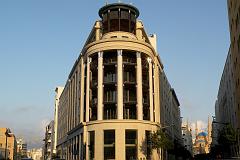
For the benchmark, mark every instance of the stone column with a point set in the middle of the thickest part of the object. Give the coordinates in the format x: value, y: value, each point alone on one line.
x: 88, y: 88
x: 150, y: 89
x: 119, y: 85
x: 156, y: 94
x: 82, y: 91
x: 139, y: 87
x: 100, y: 87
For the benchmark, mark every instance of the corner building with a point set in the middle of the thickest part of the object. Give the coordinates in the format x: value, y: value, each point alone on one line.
x: 111, y: 101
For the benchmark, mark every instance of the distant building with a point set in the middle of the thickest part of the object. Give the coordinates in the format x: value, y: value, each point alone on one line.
x: 48, y: 141
x: 203, y: 140
x: 21, y: 148
x: 35, y: 154
x: 11, y: 144
x: 58, y: 92
x: 187, y: 138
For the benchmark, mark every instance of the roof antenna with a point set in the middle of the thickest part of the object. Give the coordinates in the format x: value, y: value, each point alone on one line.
x: 106, y: 2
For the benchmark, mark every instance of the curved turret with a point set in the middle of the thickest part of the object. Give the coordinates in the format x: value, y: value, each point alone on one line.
x: 118, y: 17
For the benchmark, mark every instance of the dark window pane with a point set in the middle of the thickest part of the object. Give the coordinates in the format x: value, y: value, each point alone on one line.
x: 91, y: 144
x: 109, y: 137
x: 124, y: 14
x: 131, y: 144
x: 109, y: 144
x: 131, y: 137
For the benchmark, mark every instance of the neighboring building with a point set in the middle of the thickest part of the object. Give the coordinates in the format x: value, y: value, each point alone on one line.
x: 170, y: 111
x: 203, y: 140
x: 234, y: 58
x: 227, y: 109
x: 48, y: 141
x: 58, y: 92
x: 11, y: 144
x: 187, y: 138
x: 35, y: 154
x: 111, y: 100
x: 21, y: 149
x: 227, y: 106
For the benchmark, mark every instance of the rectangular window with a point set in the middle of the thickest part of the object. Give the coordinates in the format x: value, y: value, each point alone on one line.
x: 131, y: 144
x: 147, y: 137
x: 91, y: 145
x: 109, y: 144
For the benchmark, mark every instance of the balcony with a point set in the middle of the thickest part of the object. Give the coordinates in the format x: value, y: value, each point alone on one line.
x: 110, y: 112
x: 110, y: 61
x: 109, y: 101
x: 110, y: 78
x: 129, y: 61
x: 129, y: 112
x: 128, y: 101
x: 109, y: 82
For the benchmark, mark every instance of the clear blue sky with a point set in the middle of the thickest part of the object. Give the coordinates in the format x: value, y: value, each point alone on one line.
x: 40, y: 41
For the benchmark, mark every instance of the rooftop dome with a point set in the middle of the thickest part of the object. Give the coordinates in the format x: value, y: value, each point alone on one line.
x: 204, y: 134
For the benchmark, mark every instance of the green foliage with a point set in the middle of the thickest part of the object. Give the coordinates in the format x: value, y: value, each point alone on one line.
x: 160, y: 140
x: 227, y: 135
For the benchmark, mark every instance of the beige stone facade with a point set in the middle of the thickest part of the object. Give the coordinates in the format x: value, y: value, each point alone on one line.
x: 11, y: 144
x: 227, y: 107
x: 111, y: 101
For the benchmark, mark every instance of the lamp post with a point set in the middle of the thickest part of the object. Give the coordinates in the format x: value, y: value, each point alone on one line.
x: 7, y: 135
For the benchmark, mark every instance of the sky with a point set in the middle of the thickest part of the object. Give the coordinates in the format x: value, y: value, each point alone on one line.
x: 40, y: 41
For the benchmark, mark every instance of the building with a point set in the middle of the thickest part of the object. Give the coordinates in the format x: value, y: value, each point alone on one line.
x: 35, y: 154
x: 48, y: 141
x: 203, y: 139
x: 112, y: 98
x: 170, y: 111
x: 58, y: 92
x: 7, y: 136
x: 187, y: 138
x: 234, y: 25
x: 227, y: 106
x: 21, y: 149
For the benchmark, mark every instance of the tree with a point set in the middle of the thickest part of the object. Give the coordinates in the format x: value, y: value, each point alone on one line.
x: 159, y: 139
x: 226, y: 138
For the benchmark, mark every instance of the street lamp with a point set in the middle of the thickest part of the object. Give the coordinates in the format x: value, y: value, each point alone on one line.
x: 7, y: 133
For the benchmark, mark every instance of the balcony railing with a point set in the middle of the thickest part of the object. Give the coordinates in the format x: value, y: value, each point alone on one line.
x: 110, y: 61
x: 129, y: 114
x: 110, y: 114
